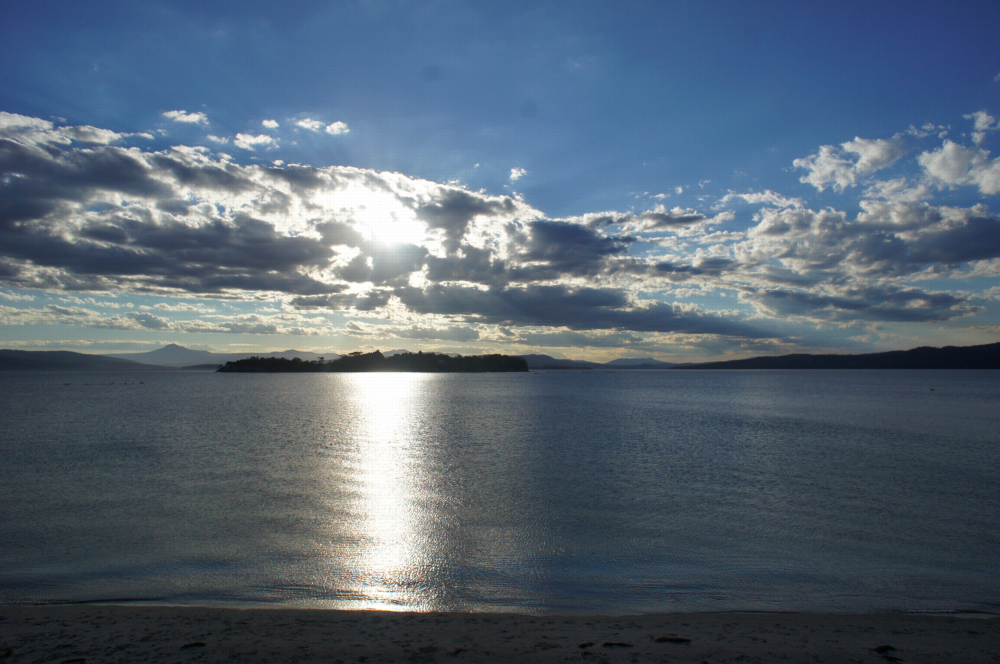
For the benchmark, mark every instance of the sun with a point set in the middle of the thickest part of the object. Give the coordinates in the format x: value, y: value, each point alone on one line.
x: 381, y: 217
x: 392, y: 226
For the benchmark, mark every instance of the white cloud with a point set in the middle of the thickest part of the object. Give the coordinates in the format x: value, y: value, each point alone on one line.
x: 983, y: 122
x: 270, y: 124
x: 766, y: 197
x: 833, y: 167
x: 310, y: 124
x: 874, y: 155
x: 218, y: 139
x: 22, y: 122
x: 517, y: 174
x: 92, y: 135
x: 29, y: 131
x: 14, y: 297
x: 953, y: 164
x: 184, y: 116
x: 898, y: 191
x: 337, y: 128
x: 250, y: 142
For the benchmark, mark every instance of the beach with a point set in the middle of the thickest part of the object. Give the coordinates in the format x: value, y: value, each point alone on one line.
x: 115, y: 633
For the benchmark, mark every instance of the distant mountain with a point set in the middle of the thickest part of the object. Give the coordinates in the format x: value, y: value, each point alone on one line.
x: 170, y: 355
x: 64, y: 360
x: 173, y: 355
x: 950, y: 357
x: 638, y: 362
x: 549, y: 362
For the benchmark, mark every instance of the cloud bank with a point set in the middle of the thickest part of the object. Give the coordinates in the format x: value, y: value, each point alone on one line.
x: 396, y: 256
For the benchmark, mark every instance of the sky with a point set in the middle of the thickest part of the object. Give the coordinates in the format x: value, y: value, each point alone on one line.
x: 686, y: 181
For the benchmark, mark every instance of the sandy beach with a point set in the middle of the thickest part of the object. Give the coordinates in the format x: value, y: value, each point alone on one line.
x: 80, y: 634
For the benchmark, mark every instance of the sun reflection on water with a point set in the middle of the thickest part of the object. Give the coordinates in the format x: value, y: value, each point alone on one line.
x: 394, y: 525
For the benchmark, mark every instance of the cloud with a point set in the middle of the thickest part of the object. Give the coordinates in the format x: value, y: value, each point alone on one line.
x: 851, y: 305
x: 454, y: 333
x: 16, y: 297
x: 517, y: 173
x: 766, y: 197
x: 91, y: 135
x: 185, y: 117
x: 310, y: 124
x: 222, y: 140
x: 250, y: 142
x: 953, y: 164
x: 833, y: 167
x: 337, y: 128
x: 35, y: 131
x: 571, y: 339
x: 270, y: 124
x: 435, y: 261
x: 577, y: 308
x: 675, y: 219
x: 982, y: 122
x: 564, y: 248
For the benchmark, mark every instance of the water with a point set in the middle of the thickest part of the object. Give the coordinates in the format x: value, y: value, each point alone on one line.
x: 554, y: 492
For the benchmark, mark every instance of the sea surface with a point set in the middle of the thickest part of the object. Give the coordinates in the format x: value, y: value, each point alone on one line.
x: 542, y: 492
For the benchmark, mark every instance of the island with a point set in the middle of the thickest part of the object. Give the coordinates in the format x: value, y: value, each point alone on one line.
x: 364, y: 362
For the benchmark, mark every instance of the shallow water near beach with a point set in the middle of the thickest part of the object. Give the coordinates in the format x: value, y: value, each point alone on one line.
x: 542, y: 492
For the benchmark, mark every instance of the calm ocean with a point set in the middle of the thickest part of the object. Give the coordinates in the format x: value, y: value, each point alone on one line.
x: 550, y: 492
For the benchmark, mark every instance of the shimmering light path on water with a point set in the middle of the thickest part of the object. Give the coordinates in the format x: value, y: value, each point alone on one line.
x: 543, y: 492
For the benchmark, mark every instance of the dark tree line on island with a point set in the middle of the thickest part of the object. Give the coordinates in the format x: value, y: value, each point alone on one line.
x: 359, y: 362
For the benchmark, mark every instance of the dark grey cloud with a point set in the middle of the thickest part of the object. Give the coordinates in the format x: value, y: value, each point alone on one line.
x: 977, y: 239
x: 339, y: 301
x: 220, y: 176
x: 339, y: 233
x: 454, y: 209
x: 76, y: 174
x: 885, y: 304
x: 670, y: 219
x: 564, y: 306
x: 568, y: 248
x: 473, y: 264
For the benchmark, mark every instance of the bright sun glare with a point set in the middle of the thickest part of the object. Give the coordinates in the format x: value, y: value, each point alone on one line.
x: 387, y: 221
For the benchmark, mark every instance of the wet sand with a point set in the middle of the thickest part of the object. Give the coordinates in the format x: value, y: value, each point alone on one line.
x: 82, y: 634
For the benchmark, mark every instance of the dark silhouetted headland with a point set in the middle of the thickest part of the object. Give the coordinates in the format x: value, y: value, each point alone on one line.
x: 364, y: 362
x: 986, y: 356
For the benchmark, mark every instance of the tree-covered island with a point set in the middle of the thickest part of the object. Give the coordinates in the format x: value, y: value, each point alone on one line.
x: 359, y: 362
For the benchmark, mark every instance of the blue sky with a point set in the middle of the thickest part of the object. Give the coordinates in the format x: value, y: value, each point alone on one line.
x: 592, y: 180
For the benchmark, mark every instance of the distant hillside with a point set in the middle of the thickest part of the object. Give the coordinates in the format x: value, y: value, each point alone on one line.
x: 173, y: 355
x: 64, y: 360
x: 950, y: 357
x: 630, y: 364
x: 633, y: 362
